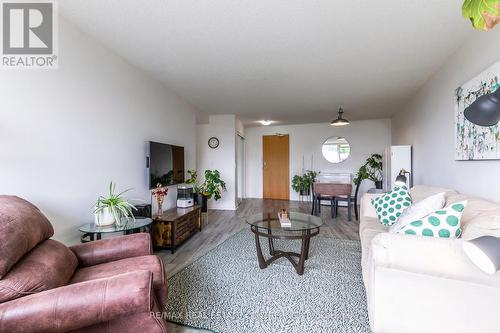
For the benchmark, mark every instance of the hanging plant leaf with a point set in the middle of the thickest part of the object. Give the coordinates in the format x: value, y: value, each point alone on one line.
x: 484, y: 14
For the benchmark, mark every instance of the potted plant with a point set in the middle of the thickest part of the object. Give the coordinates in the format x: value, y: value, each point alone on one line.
x: 311, y: 178
x: 199, y: 198
x: 302, y: 184
x: 372, y: 170
x: 212, y: 187
x: 113, y: 208
x: 298, y: 184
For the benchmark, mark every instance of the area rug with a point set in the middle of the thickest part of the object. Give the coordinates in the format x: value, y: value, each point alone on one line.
x: 225, y: 291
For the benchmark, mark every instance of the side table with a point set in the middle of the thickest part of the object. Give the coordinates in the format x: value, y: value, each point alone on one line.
x: 92, y: 232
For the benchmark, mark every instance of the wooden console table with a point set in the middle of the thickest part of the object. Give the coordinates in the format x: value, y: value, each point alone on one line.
x: 175, y: 226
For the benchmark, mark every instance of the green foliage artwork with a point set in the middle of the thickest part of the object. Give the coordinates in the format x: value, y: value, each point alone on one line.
x: 484, y: 14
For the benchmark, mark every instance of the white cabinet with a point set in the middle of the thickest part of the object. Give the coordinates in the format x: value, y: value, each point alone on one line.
x: 395, y: 159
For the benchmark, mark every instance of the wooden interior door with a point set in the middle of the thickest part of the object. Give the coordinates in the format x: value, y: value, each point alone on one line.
x: 276, y: 167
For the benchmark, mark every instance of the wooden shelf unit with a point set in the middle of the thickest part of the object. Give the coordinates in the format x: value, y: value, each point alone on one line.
x: 175, y: 226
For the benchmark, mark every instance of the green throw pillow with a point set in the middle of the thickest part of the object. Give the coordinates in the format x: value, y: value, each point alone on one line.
x: 392, y: 204
x: 443, y: 223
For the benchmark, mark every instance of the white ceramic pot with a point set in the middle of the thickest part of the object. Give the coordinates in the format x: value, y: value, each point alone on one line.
x: 104, y: 218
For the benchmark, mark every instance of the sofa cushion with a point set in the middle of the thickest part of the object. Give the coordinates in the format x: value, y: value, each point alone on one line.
x: 150, y: 263
x: 420, y: 192
x: 477, y: 207
x: 49, y: 265
x: 482, y: 225
x: 22, y: 227
x: 443, y: 223
x: 392, y: 204
x: 365, y: 206
x: 419, y: 210
x: 369, y: 228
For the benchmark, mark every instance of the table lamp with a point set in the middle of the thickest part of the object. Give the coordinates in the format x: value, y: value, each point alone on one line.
x: 401, y: 179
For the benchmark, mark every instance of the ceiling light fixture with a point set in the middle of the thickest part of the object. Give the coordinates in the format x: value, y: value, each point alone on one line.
x: 484, y: 111
x: 340, y: 121
x: 265, y: 122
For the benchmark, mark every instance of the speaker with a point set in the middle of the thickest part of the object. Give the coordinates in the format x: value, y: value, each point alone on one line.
x: 143, y: 210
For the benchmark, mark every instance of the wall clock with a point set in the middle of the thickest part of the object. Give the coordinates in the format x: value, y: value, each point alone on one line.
x: 213, y: 142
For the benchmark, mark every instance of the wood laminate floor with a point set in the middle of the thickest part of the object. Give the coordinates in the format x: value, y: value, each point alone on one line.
x: 222, y: 224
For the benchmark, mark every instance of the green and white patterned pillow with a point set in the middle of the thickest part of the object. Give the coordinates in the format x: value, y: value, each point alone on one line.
x: 392, y: 204
x: 443, y: 223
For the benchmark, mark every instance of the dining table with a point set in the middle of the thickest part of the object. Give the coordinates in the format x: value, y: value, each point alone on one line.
x: 328, y: 191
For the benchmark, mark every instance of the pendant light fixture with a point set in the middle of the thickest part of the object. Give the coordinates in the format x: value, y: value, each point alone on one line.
x: 484, y: 111
x: 340, y: 121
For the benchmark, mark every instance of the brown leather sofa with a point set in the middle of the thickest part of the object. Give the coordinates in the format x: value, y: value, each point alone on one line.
x: 112, y: 285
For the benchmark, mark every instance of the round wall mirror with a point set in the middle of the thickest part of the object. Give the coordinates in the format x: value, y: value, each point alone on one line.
x: 336, y: 149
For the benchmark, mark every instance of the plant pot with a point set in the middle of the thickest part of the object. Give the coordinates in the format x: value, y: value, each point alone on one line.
x: 379, y: 185
x: 104, y: 218
x: 202, y: 201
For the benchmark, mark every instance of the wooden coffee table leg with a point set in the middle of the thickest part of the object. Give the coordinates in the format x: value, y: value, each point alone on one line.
x: 271, y: 243
x: 260, y: 257
x: 308, y: 241
x: 300, y: 265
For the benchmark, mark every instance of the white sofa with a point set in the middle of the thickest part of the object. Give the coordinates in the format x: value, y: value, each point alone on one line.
x: 425, y: 284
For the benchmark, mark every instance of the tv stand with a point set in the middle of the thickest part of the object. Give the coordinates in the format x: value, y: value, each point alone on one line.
x: 174, y: 227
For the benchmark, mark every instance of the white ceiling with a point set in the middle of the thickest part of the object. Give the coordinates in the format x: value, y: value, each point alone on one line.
x: 286, y: 60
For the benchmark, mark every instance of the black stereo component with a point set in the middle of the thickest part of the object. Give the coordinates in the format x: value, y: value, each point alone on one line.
x: 143, y: 210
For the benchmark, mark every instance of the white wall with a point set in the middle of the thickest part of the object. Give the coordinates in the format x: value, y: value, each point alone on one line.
x: 64, y: 134
x: 222, y: 158
x: 427, y: 123
x: 365, y: 137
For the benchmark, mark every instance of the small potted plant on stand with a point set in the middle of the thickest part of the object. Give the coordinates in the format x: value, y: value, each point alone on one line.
x: 311, y: 178
x: 372, y: 170
x: 199, y: 198
x: 302, y: 184
x: 159, y: 193
x: 113, y: 209
x: 212, y: 187
x: 298, y: 184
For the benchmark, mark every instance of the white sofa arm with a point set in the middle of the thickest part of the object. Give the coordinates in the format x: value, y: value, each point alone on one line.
x: 427, y: 255
x: 366, y: 207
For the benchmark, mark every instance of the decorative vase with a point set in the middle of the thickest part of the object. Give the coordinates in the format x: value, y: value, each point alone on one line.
x: 104, y: 218
x: 379, y: 185
x: 159, y: 201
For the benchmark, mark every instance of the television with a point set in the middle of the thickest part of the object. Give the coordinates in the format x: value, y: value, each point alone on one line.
x: 165, y: 164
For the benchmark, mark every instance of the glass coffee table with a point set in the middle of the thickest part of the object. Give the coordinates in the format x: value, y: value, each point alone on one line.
x: 303, y: 227
x: 91, y: 231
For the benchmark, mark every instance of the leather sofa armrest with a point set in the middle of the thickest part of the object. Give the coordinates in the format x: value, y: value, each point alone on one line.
x: 112, y: 249
x: 440, y: 257
x: 79, y: 305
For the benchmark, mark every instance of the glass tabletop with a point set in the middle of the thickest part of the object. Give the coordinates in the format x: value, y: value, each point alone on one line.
x: 299, y: 221
x: 131, y: 224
